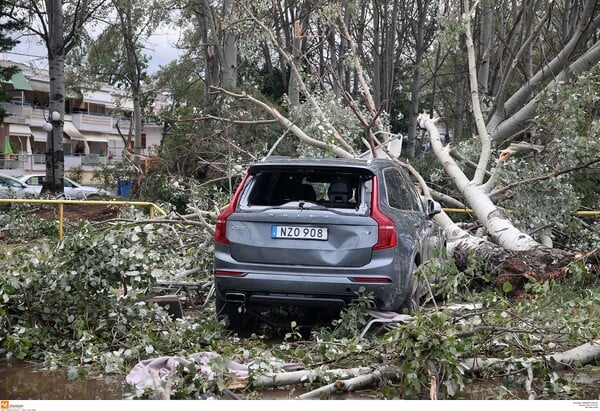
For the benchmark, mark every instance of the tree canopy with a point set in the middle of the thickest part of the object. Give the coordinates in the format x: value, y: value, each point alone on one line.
x: 497, y: 106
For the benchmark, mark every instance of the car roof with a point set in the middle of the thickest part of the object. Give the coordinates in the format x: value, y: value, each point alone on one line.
x: 276, y: 161
x: 24, y: 176
x: 9, y: 176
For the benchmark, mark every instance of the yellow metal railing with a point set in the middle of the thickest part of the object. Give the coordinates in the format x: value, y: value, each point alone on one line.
x: 152, y: 207
x: 61, y: 207
x: 585, y: 213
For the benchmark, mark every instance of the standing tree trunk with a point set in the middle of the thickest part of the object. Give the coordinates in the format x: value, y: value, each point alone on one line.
x: 415, y: 92
x: 294, y: 83
x: 55, y: 156
x: 485, y: 45
x: 133, y: 68
x: 230, y: 51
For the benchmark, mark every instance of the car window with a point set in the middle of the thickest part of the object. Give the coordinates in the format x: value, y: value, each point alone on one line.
x: 399, y: 195
x: 35, y: 181
x: 7, y: 182
x: 417, y: 201
x: 68, y: 183
x: 331, y: 188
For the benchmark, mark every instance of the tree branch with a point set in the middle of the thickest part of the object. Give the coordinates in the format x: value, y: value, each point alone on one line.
x: 289, y: 125
x: 554, y: 174
x: 290, y: 61
x: 486, y: 144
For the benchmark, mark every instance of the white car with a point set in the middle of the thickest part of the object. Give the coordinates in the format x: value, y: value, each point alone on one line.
x: 10, y: 187
x: 73, y: 190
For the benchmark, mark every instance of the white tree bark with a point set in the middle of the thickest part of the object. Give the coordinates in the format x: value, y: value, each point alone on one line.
x: 582, y: 354
x: 296, y: 377
x: 519, y: 104
x: 486, y: 143
x: 351, y: 384
x: 515, y: 123
x: 501, y: 231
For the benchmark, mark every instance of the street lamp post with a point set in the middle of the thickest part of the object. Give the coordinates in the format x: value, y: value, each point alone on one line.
x: 49, y: 126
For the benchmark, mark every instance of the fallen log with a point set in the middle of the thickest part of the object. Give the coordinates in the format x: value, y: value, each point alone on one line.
x: 294, y: 377
x: 581, y: 355
x: 352, y: 384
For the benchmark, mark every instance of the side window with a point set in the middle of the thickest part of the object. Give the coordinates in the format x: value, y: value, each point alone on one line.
x: 417, y: 203
x: 398, y: 195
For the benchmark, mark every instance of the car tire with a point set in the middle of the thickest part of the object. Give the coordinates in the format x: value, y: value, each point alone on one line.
x: 234, y: 314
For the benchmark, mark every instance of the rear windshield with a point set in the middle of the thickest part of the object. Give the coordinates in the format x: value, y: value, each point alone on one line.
x: 330, y: 188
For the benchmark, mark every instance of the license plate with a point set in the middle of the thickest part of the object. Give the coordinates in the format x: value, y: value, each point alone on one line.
x: 299, y: 233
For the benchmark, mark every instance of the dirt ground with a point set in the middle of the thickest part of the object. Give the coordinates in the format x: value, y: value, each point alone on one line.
x: 77, y: 212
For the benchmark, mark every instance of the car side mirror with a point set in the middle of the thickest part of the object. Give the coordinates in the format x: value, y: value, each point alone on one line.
x: 433, y: 207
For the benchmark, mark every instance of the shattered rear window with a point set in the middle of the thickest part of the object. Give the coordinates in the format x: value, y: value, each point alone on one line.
x: 330, y: 188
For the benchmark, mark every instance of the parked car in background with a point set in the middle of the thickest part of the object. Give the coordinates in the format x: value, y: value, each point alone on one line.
x: 73, y: 190
x: 313, y: 232
x: 10, y: 187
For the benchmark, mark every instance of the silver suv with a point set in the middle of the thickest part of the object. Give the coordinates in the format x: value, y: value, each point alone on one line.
x: 312, y: 232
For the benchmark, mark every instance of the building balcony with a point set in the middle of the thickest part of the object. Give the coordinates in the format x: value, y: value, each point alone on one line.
x: 17, y: 112
x: 19, y: 164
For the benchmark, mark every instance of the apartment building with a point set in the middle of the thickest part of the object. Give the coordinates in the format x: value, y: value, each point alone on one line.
x: 90, y: 135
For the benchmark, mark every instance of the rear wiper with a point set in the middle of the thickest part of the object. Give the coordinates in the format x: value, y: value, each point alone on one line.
x: 311, y: 206
x: 301, y: 205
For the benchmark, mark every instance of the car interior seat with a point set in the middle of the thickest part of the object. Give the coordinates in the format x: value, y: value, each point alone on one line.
x: 339, y: 192
x: 307, y: 193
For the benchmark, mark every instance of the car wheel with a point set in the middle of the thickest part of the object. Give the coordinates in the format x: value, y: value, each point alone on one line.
x: 234, y: 313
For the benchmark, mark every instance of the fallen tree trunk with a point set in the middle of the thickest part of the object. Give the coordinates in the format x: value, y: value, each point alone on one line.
x: 517, y: 268
x: 352, y: 384
x: 364, y: 377
x: 580, y: 355
x: 294, y: 377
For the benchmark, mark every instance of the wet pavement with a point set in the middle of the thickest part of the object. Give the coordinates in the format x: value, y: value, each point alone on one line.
x: 20, y: 380
x: 24, y: 381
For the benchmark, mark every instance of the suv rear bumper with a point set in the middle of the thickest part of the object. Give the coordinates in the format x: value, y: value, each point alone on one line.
x: 306, y: 285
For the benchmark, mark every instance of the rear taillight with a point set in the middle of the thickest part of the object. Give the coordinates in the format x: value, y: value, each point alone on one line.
x: 386, y: 229
x: 221, y: 225
x: 370, y: 279
x: 226, y: 273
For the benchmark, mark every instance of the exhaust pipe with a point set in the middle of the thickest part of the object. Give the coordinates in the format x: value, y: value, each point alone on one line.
x: 235, y: 297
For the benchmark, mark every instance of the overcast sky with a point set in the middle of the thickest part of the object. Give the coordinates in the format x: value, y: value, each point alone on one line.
x: 159, y: 48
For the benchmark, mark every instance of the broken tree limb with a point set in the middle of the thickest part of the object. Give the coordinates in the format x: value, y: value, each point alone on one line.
x: 295, y: 377
x: 447, y: 200
x: 554, y: 174
x: 352, y: 384
x: 581, y: 355
x: 500, y: 229
x: 484, y: 137
x: 301, y: 135
x: 298, y: 77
